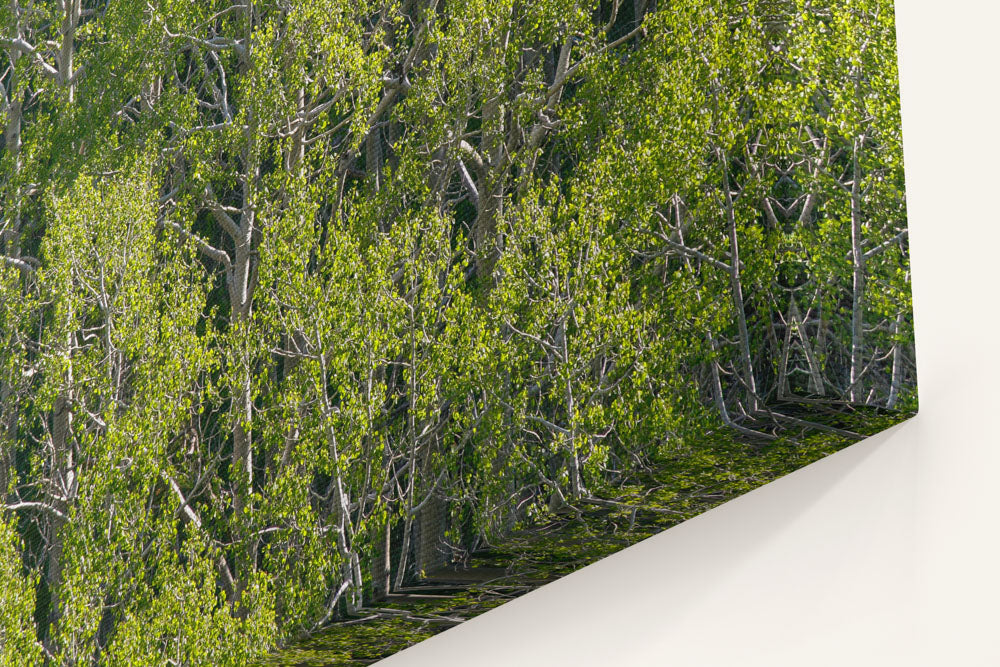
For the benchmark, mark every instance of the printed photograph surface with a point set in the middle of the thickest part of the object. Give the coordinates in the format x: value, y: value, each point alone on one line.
x: 327, y: 325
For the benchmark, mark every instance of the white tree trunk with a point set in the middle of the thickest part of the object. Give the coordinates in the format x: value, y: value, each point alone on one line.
x: 737, y: 291
x: 858, y: 279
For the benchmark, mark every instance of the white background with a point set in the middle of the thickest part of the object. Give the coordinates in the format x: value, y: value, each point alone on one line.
x: 887, y: 553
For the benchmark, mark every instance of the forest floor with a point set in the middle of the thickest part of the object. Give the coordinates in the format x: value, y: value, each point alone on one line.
x: 674, y: 488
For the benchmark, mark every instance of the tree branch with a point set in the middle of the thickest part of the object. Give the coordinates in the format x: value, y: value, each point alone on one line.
x: 885, y: 245
x: 221, y: 215
x: 26, y: 264
x: 691, y: 252
x: 29, y: 50
x: 206, y: 249
x: 27, y: 505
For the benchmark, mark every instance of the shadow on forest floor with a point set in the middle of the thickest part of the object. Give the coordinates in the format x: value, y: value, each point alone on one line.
x: 692, y: 480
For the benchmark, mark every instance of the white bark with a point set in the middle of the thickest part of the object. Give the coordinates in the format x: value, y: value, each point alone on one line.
x: 737, y: 289
x: 858, y: 274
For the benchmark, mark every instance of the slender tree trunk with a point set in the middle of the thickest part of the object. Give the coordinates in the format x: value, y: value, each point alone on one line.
x: 8, y: 437
x: 71, y: 19
x: 491, y: 188
x: 12, y: 142
x: 575, y: 476
x: 382, y: 565
x: 241, y: 464
x: 784, y: 391
x: 484, y: 228
x: 11, y: 246
x: 858, y: 278
x: 897, y: 364
x: 350, y: 566
x: 242, y: 461
x: 737, y: 291
x: 411, y: 482
x: 349, y: 560
x: 717, y: 396
x: 62, y: 489
x: 815, y: 373
x: 373, y: 157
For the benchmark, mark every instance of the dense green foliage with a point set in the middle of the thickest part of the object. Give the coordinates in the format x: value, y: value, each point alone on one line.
x: 300, y: 297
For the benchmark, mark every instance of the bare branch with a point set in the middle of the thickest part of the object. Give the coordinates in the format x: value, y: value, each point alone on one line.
x: 26, y: 264
x: 222, y: 215
x: 886, y: 245
x: 204, y: 246
x: 468, y: 183
x: 42, y: 507
x: 691, y: 252
x: 29, y: 50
